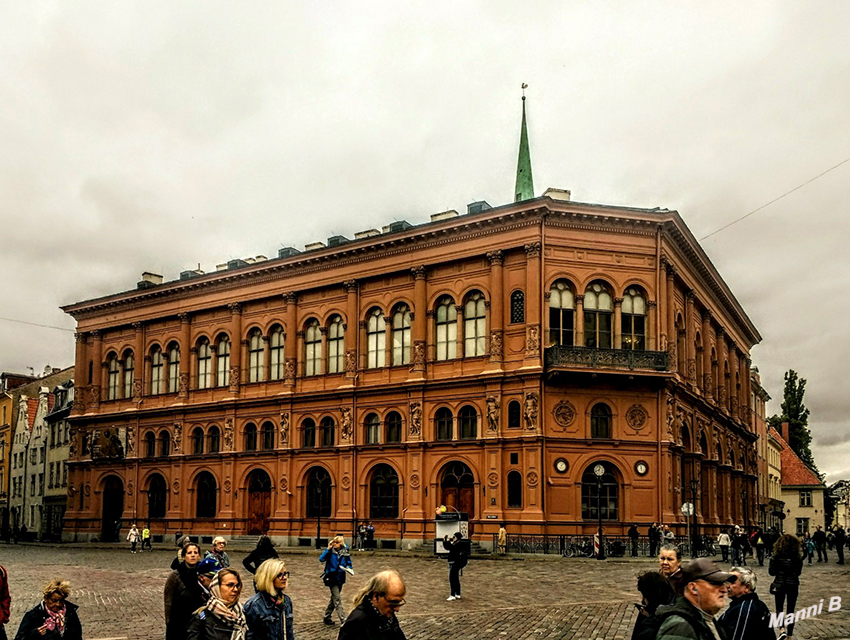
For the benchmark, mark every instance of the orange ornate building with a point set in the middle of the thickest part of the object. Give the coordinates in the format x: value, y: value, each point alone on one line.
x: 485, y: 361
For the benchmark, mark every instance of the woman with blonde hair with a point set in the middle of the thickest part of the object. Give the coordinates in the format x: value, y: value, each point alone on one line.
x: 222, y: 617
x: 52, y: 618
x: 269, y: 611
x: 337, y: 559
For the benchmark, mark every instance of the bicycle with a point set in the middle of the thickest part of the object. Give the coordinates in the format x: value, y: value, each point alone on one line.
x: 580, y: 549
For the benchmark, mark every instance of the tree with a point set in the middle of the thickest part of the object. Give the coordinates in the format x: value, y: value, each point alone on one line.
x: 795, y: 413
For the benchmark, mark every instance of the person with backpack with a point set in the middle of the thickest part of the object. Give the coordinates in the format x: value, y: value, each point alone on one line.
x: 337, y: 559
x: 458, y: 549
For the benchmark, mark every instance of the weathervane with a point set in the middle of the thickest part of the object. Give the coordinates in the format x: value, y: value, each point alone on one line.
x: 524, y: 87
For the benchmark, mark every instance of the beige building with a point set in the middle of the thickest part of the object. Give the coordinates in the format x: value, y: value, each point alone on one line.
x: 802, y: 490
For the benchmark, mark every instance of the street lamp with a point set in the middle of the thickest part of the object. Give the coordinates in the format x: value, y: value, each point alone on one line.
x: 694, y: 536
x: 599, y: 471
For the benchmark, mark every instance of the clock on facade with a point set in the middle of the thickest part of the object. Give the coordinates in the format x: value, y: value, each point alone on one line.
x: 561, y: 465
x: 641, y: 468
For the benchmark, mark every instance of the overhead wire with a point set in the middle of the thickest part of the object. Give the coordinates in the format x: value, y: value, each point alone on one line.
x: 35, y: 324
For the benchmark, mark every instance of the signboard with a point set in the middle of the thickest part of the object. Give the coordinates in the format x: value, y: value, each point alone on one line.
x: 108, y: 442
x: 688, y: 509
x: 447, y: 524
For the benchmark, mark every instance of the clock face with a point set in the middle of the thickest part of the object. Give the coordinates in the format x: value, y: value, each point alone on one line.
x: 598, y: 470
x: 641, y: 468
x: 561, y: 465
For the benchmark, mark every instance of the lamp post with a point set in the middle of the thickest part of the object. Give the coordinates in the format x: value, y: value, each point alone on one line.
x: 599, y: 471
x: 694, y: 536
x: 744, y: 502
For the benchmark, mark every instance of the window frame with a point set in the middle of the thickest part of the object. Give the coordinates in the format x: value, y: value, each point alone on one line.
x: 401, y: 335
x: 475, y: 325
x: 376, y: 339
x: 445, y: 325
x: 336, y: 344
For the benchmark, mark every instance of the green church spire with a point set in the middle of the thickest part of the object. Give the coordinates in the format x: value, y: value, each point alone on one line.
x: 524, y: 183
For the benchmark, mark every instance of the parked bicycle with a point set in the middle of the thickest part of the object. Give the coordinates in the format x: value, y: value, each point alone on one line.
x: 582, y: 548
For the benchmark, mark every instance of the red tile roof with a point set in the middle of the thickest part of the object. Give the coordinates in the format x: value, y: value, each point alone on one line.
x: 795, y: 472
x: 32, y: 406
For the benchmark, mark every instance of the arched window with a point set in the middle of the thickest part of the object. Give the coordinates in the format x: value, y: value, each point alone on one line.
x: 308, y: 433
x: 517, y: 307
x: 206, y: 495
x: 150, y: 444
x: 250, y: 437
x: 444, y: 419
x: 276, y: 352
x: 634, y: 320
x: 561, y: 314
x: 474, y: 325
x: 514, y: 415
x: 268, y: 436
x: 173, y: 368
x: 214, y: 439
x: 599, y: 498
x: 318, y: 493
x: 112, y: 377
x: 393, y: 427
x: 204, y: 364
x: 157, y: 495
x: 328, y: 428
x: 156, y: 370
x: 446, y: 319
x: 312, y: 348
x: 164, y: 444
x: 598, y: 312
x: 468, y: 422
x: 336, y: 345
x: 600, y: 421
x: 383, y: 492
x: 376, y: 339
x: 401, y: 334
x: 256, y: 361
x: 223, y: 352
x: 515, y: 490
x: 372, y: 427
x: 129, y: 371
x: 197, y: 441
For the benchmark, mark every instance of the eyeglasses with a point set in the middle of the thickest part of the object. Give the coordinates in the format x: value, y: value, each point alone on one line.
x: 283, y: 576
x: 395, y: 604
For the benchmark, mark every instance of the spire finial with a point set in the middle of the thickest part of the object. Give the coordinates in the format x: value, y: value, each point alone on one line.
x: 524, y: 183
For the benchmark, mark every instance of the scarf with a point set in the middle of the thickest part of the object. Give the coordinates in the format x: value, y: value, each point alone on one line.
x: 232, y: 614
x: 55, y: 620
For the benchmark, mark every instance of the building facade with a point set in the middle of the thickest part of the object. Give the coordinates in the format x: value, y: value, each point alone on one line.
x: 8, y: 383
x: 486, y: 362
x: 57, y: 435
x: 803, y: 491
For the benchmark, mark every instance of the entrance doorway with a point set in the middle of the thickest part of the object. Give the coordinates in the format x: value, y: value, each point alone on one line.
x: 458, y: 488
x: 259, y: 502
x: 113, y: 509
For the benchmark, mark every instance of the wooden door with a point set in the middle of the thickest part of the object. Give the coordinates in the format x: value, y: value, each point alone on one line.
x: 259, y: 510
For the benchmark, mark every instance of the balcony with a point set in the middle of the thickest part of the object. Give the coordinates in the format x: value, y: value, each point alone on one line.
x: 560, y: 356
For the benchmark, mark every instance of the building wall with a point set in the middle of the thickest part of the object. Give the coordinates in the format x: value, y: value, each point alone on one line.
x: 795, y: 511
x: 678, y: 405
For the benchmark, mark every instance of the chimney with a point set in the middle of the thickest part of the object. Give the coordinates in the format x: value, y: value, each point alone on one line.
x: 785, y: 435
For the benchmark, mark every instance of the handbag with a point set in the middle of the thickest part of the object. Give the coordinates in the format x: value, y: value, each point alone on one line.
x: 773, y: 588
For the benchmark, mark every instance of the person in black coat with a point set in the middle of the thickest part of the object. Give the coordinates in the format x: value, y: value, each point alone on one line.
x: 183, y: 594
x: 786, y: 565
x: 458, y: 549
x: 655, y: 591
x: 262, y: 552
x: 747, y: 618
x: 53, y: 618
x: 222, y: 617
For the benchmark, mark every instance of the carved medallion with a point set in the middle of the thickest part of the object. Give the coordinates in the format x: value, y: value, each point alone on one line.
x: 414, y: 481
x: 532, y: 478
x: 130, y: 488
x: 227, y: 486
x: 284, y: 484
x: 493, y: 479
x: 636, y: 416
x: 175, y: 487
x: 346, y: 482
x: 564, y: 413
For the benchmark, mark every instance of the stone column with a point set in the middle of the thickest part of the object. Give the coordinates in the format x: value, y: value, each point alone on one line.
x: 99, y: 370
x: 722, y: 378
x: 651, y: 337
x: 672, y: 336
x: 388, y: 341
x: 579, y: 336
x: 418, y: 320
x: 80, y: 371
x: 497, y: 305
x: 139, y: 374
x: 735, y: 383
x: 236, y: 346
x: 534, y: 315
x: 690, y: 338
x: 185, y: 355
x: 290, y: 346
x: 618, y: 323
x: 460, y: 331
x: 706, y: 355
x: 353, y: 313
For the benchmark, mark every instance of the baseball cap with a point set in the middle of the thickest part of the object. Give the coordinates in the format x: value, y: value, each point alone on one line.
x: 705, y: 569
x: 208, y: 566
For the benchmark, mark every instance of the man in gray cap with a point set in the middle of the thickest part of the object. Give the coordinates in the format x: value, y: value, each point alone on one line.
x: 701, y: 589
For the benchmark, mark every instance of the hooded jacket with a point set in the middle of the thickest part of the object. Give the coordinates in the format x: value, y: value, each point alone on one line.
x: 683, y: 621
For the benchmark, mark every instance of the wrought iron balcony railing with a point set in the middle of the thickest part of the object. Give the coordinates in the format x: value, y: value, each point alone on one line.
x: 561, y: 356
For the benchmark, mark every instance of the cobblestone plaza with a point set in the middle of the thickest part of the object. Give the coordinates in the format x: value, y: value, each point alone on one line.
x: 120, y: 594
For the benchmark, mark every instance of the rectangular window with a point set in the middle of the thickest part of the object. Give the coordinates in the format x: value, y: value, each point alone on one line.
x: 50, y: 482
x: 64, y: 473
x: 802, y: 526
x: 805, y: 498
x: 32, y: 485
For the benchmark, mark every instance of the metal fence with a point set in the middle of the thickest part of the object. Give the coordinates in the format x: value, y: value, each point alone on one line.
x: 582, y: 545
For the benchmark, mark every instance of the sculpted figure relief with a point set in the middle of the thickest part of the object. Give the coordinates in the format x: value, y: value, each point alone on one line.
x: 228, y: 434
x: 415, y: 418
x: 530, y: 410
x: 177, y: 438
x: 492, y: 413
x: 284, y: 428
x: 346, y: 422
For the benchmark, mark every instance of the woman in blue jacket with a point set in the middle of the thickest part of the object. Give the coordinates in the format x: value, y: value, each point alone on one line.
x: 337, y: 559
x: 269, y: 611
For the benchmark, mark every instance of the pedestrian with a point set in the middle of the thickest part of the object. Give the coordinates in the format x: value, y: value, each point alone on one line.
x: 759, y: 543
x: 747, y: 618
x: 182, y: 541
x: 723, y: 542
x: 785, y: 566
x: 218, y: 552
x: 655, y: 591
x: 361, y: 536
x: 808, y: 547
x: 146, y: 539
x: 16, y: 533
x: 370, y: 535
x: 634, y: 536
x: 502, y: 540
x: 375, y: 606
x: 207, y: 568
x: 269, y: 611
x: 840, y: 541
x: 702, y: 588
x: 819, y: 538
x: 654, y: 535
x: 53, y: 618
x: 133, y: 537
x: 337, y: 559
x: 737, y: 551
x: 668, y: 536
x: 183, y: 593
x: 669, y: 560
x: 262, y: 552
x: 5, y: 602
x: 458, y: 549
x: 222, y: 617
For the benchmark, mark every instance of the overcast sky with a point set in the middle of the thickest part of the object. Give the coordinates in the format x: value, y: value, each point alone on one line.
x: 156, y: 136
